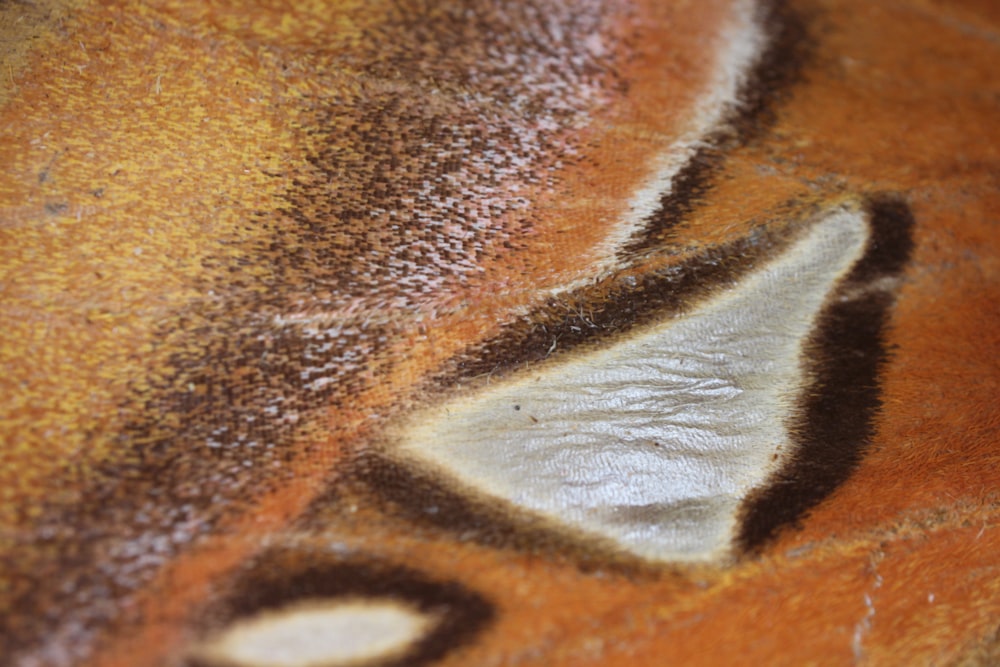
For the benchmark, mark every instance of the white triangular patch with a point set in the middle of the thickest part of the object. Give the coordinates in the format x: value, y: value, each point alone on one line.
x: 653, y: 443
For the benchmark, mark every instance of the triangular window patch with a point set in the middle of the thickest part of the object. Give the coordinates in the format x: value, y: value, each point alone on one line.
x: 654, y: 443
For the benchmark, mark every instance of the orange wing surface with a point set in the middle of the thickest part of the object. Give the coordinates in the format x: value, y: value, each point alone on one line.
x: 499, y: 333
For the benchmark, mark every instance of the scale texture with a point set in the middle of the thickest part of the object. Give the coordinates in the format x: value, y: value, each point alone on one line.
x: 472, y: 332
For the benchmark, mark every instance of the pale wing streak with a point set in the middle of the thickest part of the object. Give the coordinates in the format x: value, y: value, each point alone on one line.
x: 653, y: 443
x: 739, y: 46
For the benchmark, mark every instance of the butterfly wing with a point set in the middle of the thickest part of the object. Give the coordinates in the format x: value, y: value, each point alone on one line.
x: 577, y: 334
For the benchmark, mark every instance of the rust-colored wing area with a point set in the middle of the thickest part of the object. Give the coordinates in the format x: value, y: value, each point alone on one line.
x: 253, y: 259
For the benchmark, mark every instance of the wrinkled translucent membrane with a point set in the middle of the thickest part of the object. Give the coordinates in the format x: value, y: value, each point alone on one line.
x: 654, y: 442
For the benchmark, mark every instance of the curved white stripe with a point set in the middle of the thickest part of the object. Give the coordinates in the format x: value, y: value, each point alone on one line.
x: 739, y: 45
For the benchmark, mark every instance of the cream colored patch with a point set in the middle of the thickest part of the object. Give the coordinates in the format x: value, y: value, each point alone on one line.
x: 319, y: 634
x: 653, y: 443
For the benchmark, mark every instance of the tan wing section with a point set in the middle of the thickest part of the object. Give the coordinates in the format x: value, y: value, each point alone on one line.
x: 227, y: 269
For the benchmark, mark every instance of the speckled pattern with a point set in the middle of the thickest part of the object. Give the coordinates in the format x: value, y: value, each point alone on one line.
x: 238, y: 247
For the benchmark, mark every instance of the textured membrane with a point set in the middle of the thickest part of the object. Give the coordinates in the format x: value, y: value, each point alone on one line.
x: 654, y: 442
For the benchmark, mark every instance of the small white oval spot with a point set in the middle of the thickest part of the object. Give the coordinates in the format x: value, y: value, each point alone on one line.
x: 319, y: 634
